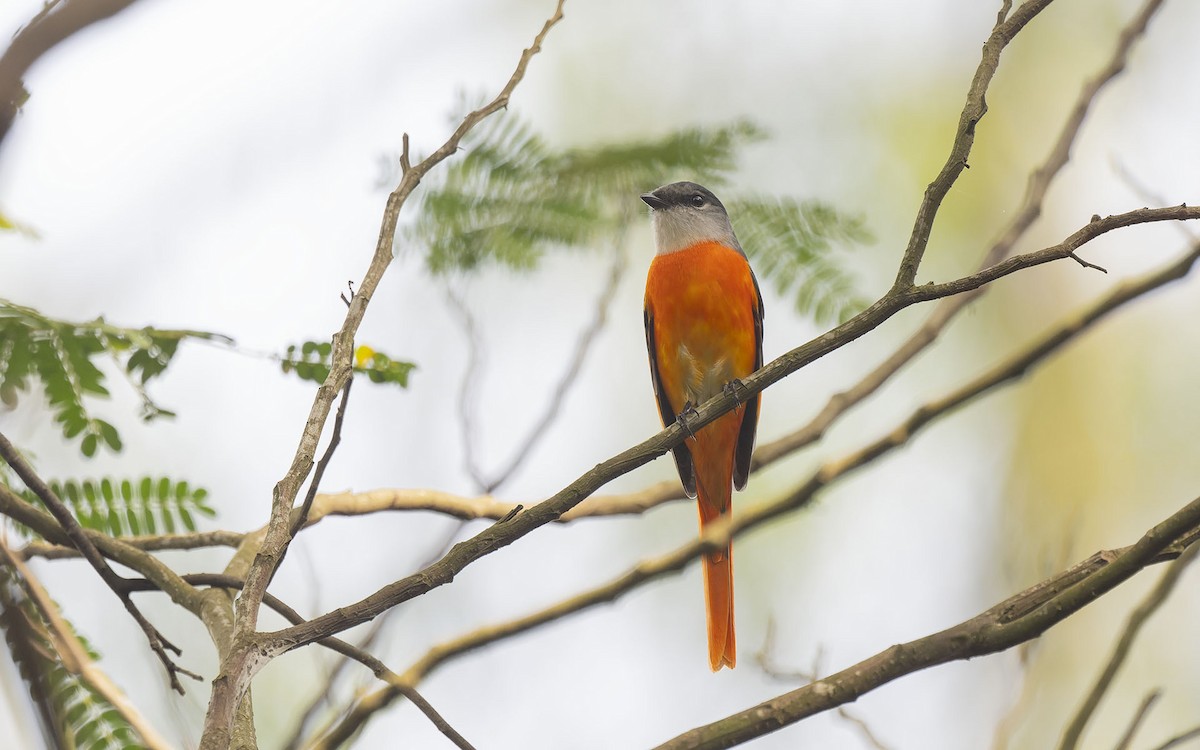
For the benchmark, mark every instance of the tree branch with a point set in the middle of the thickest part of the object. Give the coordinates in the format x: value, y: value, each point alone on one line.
x: 1137, y: 619
x: 239, y: 663
x: 158, y: 643
x: 502, y: 534
x: 1039, y: 182
x: 57, y: 21
x: 648, y: 570
x: 73, y: 657
x: 964, y: 137
x: 1016, y: 620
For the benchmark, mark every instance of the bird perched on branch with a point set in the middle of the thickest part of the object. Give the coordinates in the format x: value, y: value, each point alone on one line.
x: 704, y: 314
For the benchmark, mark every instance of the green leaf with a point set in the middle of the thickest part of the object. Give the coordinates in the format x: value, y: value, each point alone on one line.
x: 793, y: 245
x: 75, y: 714
x: 127, y: 507
x: 63, y: 356
x: 313, y: 364
x: 511, y: 197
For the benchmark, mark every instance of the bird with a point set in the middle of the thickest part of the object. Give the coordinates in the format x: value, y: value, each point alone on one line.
x: 704, y: 333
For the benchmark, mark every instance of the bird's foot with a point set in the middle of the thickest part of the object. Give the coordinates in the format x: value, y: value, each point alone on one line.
x: 689, y: 410
x: 734, y: 388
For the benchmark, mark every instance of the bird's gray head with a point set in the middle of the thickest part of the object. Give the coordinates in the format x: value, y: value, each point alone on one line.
x: 684, y: 214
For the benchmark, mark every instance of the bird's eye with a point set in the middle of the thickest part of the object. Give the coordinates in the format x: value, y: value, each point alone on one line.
x: 697, y: 200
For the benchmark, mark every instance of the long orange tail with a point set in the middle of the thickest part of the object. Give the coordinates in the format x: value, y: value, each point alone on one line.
x: 712, y: 453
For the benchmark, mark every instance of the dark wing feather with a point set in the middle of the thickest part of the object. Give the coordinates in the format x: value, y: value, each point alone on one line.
x: 683, y: 458
x: 745, y: 443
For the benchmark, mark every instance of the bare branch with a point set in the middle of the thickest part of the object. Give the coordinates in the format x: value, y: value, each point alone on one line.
x: 1016, y: 620
x: 335, y: 439
x: 1138, y: 618
x: 55, y: 23
x: 964, y: 138
x: 156, y: 543
x: 72, y: 655
x: 1138, y: 717
x: 583, y: 345
x: 240, y: 662
x: 1179, y: 739
x: 158, y: 643
x: 654, y: 568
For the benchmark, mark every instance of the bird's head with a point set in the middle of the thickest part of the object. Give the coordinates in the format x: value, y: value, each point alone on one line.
x: 686, y: 214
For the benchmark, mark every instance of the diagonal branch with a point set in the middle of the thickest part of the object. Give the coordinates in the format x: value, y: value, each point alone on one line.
x: 57, y: 21
x: 652, y: 569
x: 158, y: 643
x: 240, y: 662
x: 973, y: 111
x: 509, y: 530
x: 73, y: 657
x: 1016, y: 620
x: 1137, y: 619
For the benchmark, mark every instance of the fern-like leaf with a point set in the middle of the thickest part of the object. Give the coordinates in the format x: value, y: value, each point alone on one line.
x: 62, y: 355
x: 791, y: 244
x: 129, y: 507
x: 511, y: 196
x: 72, y: 714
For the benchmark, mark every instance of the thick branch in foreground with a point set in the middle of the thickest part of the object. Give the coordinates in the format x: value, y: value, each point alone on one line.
x: 1013, y: 621
x: 57, y: 21
x: 1137, y: 619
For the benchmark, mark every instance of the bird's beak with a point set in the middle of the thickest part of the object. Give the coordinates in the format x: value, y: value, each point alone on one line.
x: 653, y: 201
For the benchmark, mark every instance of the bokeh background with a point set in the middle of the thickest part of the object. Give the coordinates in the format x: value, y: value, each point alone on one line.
x: 217, y: 166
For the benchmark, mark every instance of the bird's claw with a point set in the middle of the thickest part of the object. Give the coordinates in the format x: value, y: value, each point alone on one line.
x: 689, y: 410
x: 732, y: 389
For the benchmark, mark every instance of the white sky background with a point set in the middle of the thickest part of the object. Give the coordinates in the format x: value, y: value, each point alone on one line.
x: 213, y: 166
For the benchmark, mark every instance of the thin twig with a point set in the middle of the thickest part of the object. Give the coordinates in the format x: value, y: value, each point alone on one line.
x: 1138, y: 618
x: 374, y: 632
x: 964, y: 137
x: 1016, y: 620
x: 654, y: 568
x: 158, y: 643
x: 476, y: 356
x: 583, y: 346
x: 335, y: 439
x: 243, y: 657
x: 1138, y: 717
x: 1179, y: 739
x: 377, y: 667
x: 72, y: 656
x: 766, y: 661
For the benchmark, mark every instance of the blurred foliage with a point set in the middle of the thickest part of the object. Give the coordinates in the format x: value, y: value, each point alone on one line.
x: 129, y: 507
x: 792, y: 245
x: 512, y: 196
x: 9, y: 224
x: 62, y: 356
x: 67, y: 707
x: 311, y: 361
